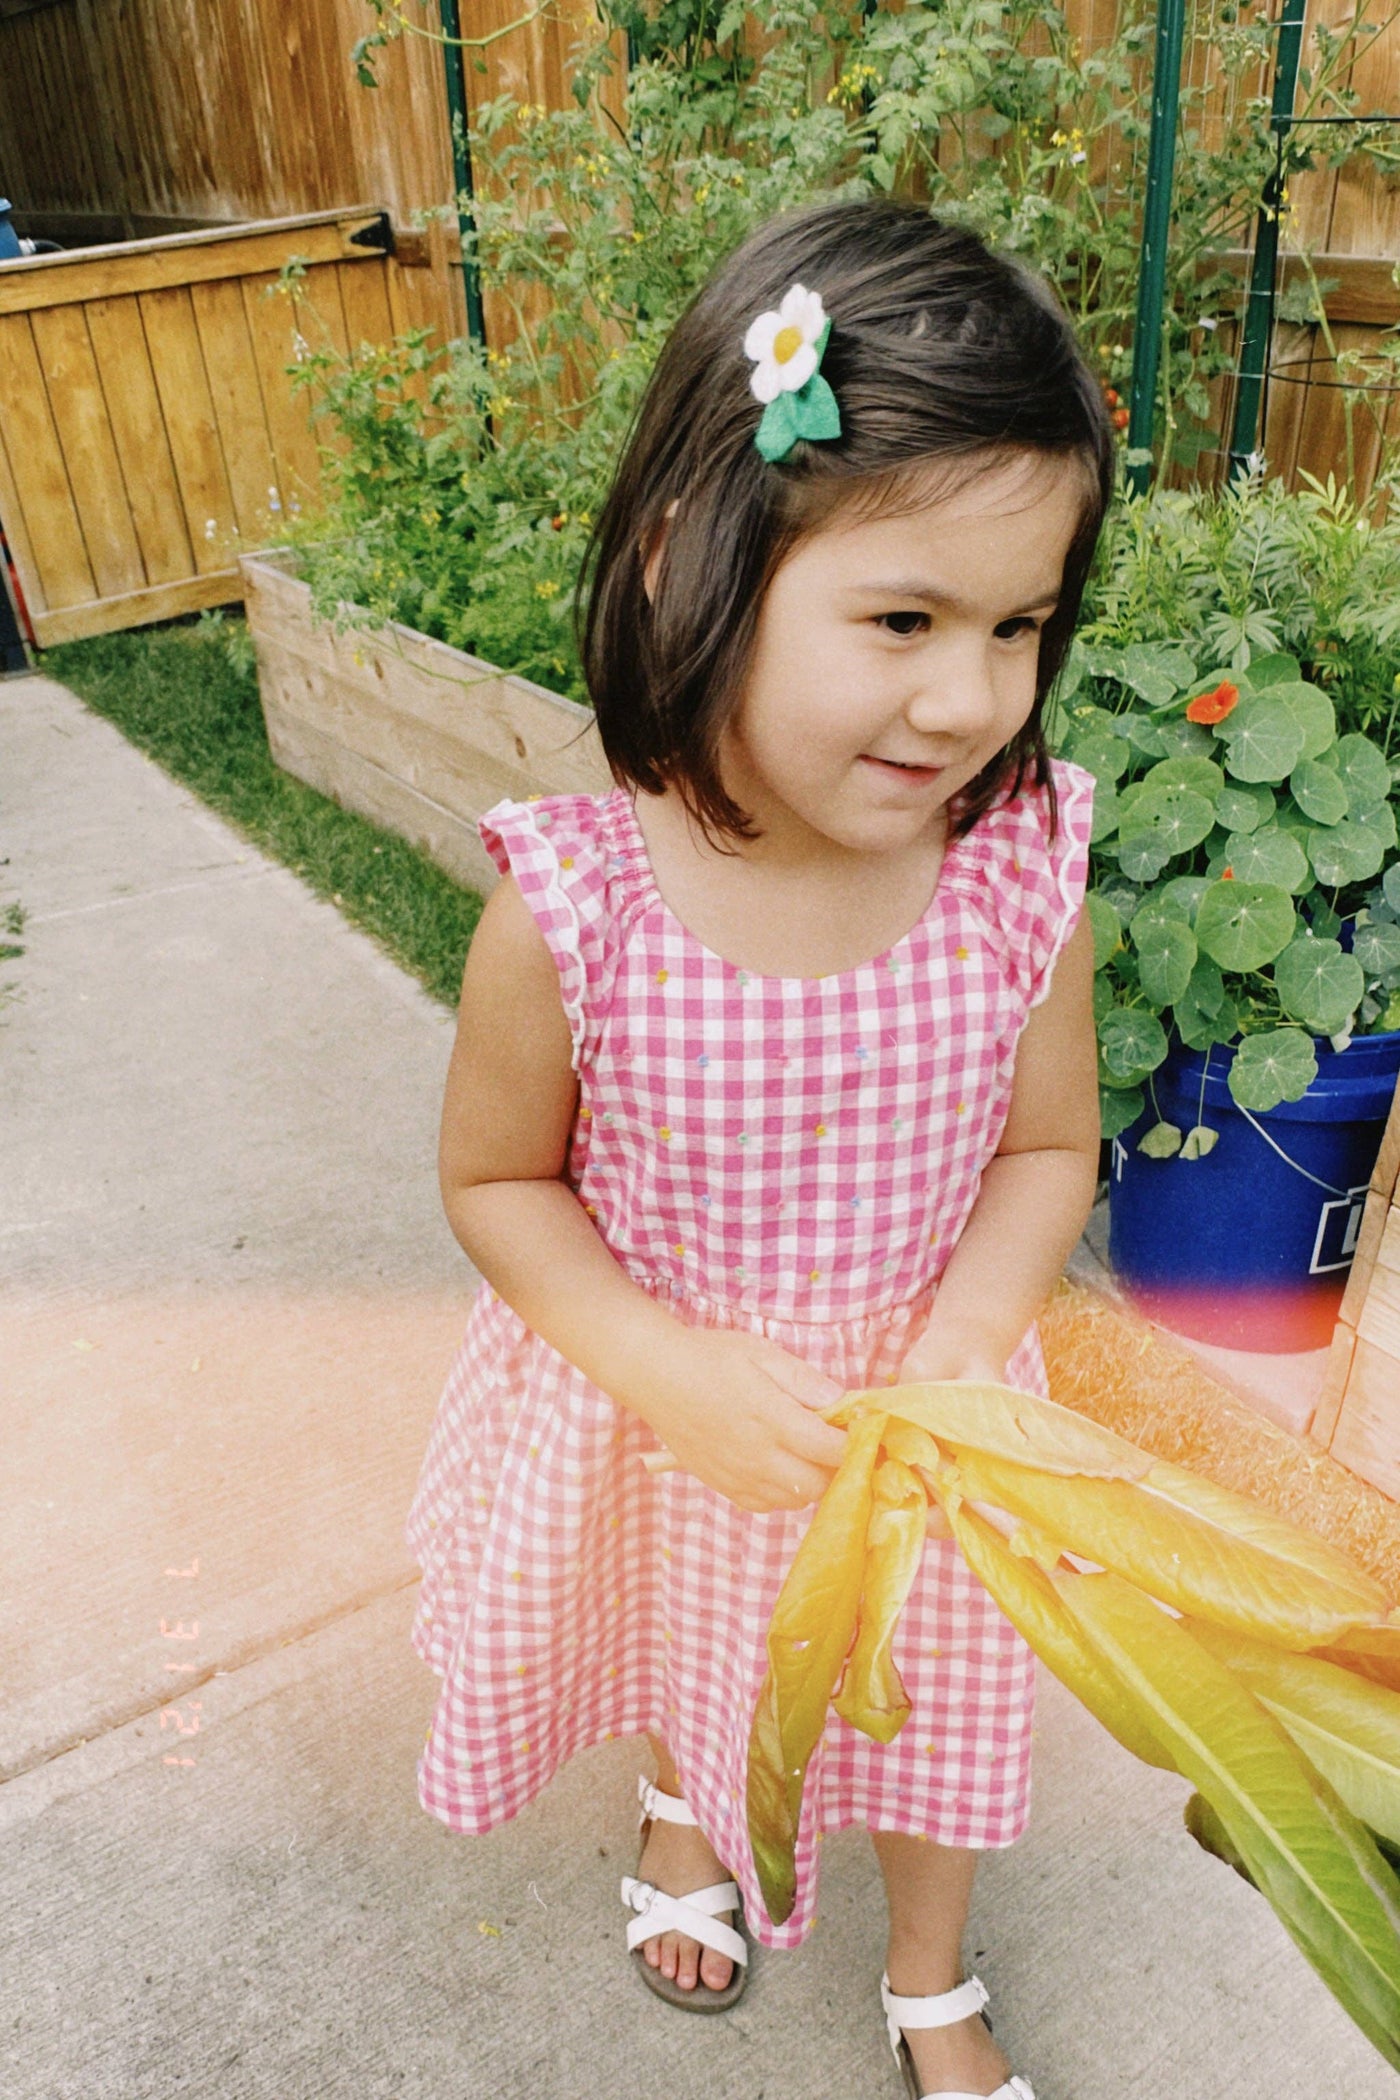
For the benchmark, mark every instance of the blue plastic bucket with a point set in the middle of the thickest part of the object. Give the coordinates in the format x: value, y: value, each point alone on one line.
x: 1250, y: 1246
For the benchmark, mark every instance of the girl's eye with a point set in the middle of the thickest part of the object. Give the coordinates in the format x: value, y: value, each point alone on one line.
x: 904, y: 623
x: 1022, y: 624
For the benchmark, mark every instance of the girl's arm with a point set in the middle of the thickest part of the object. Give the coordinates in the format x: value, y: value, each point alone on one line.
x: 1036, y: 1192
x: 734, y: 1408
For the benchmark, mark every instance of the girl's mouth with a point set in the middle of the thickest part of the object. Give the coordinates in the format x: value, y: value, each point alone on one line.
x: 895, y: 769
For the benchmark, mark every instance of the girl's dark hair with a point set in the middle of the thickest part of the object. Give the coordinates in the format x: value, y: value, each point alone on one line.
x: 941, y: 352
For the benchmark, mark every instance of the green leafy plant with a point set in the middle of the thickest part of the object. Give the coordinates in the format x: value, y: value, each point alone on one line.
x: 1234, y: 692
x: 460, y: 483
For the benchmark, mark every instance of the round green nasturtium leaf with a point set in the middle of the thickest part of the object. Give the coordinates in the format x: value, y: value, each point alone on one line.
x: 1376, y: 946
x: 1166, y: 952
x: 1390, y: 887
x: 1154, y: 670
x: 1201, y: 1031
x: 1124, y: 896
x: 1118, y: 1107
x: 1107, y: 927
x: 1200, y: 1142
x: 1143, y: 857
x: 1202, y: 775
x: 1175, y: 818
x: 1106, y: 814
x: 1278, y: 1065
x: 1378, y: 822
x: 1263, y: 740
x: 1143, y: 735
x: 1105, y: 995
x: 1319, y: 791
x: 1318, y: 985
x: 1268, y: 855
x: 1311, y: 710
x: 1105, y: 756
x: 1132, y: 1043
x: 1345, y: 852
x: 1243, y: 925
x: 1243, y: 808
x: 1363, y: 771
x: 1182, y: 896
x: 1182, y: 739
x: 1162, y: 1141
x: 1273, y: 669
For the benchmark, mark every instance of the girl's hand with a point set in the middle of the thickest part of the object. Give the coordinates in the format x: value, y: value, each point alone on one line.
x: 941, y: 1355
x: 741, y: 1414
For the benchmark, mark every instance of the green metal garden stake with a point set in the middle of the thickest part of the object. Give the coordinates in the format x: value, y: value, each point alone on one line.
x: 453, y: 56
x: 1259, y: 302
x: 1156, y: 226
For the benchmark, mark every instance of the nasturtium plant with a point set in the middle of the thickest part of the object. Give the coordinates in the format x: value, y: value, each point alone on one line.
x: 1245, y: 885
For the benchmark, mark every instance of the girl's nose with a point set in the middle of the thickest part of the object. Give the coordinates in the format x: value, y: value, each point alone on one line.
x: 956, y: 700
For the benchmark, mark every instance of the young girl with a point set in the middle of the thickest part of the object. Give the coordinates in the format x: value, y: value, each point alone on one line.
x: 774, y: 1078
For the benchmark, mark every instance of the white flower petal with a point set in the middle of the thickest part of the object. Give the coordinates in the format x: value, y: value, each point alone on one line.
x: 766, y: 381
x: 762, y: 334
x: 812, y: 318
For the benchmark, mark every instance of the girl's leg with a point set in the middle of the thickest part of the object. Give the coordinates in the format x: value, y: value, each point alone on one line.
x: 929, y: 1888
x: 678, y: 1859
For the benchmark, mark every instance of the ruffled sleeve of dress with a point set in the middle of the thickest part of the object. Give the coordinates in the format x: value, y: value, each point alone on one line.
x: 556, y: 850
x: 1035, y: 882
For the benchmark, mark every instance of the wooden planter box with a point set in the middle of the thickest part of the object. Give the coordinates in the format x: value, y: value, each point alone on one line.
x: 1358, y: 1417
x: 417, y: 735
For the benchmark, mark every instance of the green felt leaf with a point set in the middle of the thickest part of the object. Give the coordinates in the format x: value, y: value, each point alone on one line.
x: 1345, y: 852
x: 1243, y: 808
x: 1132, y: 1043
x: 1362, y: 768
x: 1166, y: 951
x: 1243, y: 925
x: 1318, y: 984
x: 1263, y: 739
x: 1319, y: 791
x: 1268, y: 855
x: 1279, y: 1064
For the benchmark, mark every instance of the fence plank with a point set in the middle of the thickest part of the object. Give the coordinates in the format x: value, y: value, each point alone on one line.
x: 364, y: 296
x: 272, y: 327
x: 229, y: 362
x: 138, y: 432
x: 41, y: 478
x: 84, y: 430
x: 190, y: 424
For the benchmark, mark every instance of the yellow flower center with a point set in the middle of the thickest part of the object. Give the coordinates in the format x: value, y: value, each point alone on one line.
x: 786, y: 343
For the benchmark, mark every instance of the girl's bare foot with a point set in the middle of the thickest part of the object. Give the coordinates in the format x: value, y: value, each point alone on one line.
x: 678, y: 1859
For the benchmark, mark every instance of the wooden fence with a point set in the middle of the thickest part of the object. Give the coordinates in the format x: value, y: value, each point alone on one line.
x: 149, y: 432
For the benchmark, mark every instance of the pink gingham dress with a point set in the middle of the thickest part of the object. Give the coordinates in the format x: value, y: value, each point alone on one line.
x: 793, y: 1155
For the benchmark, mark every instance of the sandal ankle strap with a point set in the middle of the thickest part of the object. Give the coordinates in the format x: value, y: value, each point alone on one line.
x: 661, y: 1808
x: 943, y: 2009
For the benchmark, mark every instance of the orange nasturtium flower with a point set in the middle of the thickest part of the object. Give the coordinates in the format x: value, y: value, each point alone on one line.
x: 1213, y: 707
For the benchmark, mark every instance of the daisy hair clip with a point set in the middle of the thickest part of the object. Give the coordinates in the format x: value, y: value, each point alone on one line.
x: 786, y: 348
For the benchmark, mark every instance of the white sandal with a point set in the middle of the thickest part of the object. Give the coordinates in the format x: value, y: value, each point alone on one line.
x: 942, y: 2010
x: 696, y: 1915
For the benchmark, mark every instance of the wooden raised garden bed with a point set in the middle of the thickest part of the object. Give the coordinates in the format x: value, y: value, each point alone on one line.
x: 1358, y: 1418
x: 419, y: 736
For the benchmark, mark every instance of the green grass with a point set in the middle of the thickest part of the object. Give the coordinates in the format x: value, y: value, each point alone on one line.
x: 188, y: 695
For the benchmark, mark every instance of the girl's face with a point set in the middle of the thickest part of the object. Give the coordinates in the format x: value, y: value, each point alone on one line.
x: 895, y: 657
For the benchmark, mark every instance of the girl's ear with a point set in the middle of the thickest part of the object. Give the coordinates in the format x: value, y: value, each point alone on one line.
x: 652, y: 557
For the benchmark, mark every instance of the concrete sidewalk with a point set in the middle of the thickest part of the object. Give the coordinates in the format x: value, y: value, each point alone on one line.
x: 227, y: 1302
